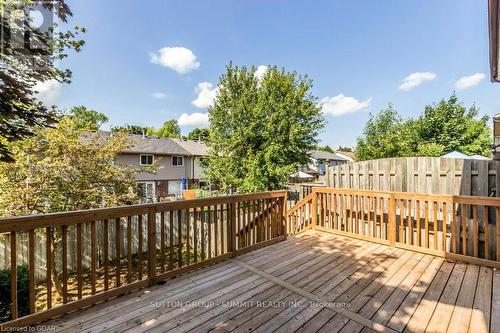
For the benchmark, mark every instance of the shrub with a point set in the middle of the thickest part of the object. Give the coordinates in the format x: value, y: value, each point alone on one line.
x: 22, y: 293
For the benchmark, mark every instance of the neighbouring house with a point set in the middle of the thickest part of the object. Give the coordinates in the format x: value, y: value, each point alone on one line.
x: 349, y: 155
x: 175, y: 159
x: 319, y: 160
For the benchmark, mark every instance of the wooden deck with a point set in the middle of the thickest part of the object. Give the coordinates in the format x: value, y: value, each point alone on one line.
x: 313, y: 282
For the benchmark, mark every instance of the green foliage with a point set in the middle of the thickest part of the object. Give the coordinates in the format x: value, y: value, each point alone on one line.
x: 87, y: 119
x: 129, y: 129
x: 442, y: 128
x: 430, y: 149
x: 201, y: 134
x: 63, y: 168
x: 21, y: 111
x: 169, y: 129
x: 260, y: 130
x: 22, y: 293
x: 345, y: 148
x: 385, y: 135
x: 325, y: 148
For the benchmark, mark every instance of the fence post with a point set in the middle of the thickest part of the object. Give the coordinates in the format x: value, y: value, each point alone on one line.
x: 314, y: 208
x: 152, y: 245
x: 231, y: 230
x: 392, y: 220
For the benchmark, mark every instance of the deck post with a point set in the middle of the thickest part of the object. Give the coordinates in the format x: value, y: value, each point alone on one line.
x: 392, y: 220
x: 231, y: 230
x: 284, y: 220
x: 314, y: 208
x: 152, y: 246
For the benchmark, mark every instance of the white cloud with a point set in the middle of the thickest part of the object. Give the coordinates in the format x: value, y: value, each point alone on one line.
x: 340, y: 105
x: 194, y: 119
x: 260, y: 72
x: 415, y: 79
x: 179, y: 59
x: 159, y: 94
x: 206, y: 95
x: 48, y: 91
x: 470, y: 81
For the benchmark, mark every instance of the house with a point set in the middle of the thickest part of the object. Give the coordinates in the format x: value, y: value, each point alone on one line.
x: 319, y: 160
x: 349, y: 155
x: 176, y: 160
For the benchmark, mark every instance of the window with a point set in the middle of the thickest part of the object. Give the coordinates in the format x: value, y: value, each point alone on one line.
x: 177, y: 160
x: 147, y: 159
x: 147, y: 192
x: 174, y: 187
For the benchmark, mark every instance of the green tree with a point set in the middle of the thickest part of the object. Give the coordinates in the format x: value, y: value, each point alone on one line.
x: 20, y: 109
x: 201, y: 134
x: 442, y: 128
x: 385, y: 135
x: 87, y: 119
x: 325, y: 148
x: 129, y: 129
x: 345, y: 148
x: 450, y: 124
x: 169, y: 129
x: 59, y: 169
x: 261, y: 129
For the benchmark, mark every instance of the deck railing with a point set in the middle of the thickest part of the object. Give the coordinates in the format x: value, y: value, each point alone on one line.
x: 463, y: 228
x: 117, y: 250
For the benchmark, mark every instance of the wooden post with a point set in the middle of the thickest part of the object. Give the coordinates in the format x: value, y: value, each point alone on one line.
x: 152, y: 246
x: 314, y: 209
x: 392, y: 220
x: 231, y: 230
x: 284, y: 217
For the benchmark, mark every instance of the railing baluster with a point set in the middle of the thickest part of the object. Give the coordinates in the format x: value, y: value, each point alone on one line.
x: 464, y: 229
x: 444, y: 223
x: 129, y: 249
x: 435, y: 219
x: 171, y: 241
x: 426, y: 224
x: 79, y: 259
x: 475, y: 232
x: 118, y: 251
x: 209, y: 227
x: 139, y: 247
x: 32, y: 268
x: 48, y: 256
x: 195, y: 233
x: 179, y: 238
x: 216, y: 231
x: 419, y: 227
x: 13, y: 274
x: 497, y: 215
x: 188, y: 227
x: 106, y: 253
x: 486, y: 226
x: 162, y: 242
x: 93, y: 256
x: 65, y: 262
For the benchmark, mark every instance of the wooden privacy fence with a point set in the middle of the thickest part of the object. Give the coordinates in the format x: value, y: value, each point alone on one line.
x: 420, y: 175
x: 172, y: 238
x: 456, y: 227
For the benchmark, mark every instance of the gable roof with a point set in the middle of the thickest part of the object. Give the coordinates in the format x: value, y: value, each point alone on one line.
x: 195, y: 148
x: 324, y: 155
x: 161, y: 146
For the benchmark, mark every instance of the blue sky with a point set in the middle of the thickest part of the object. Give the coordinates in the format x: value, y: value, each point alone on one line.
x: 357, y: 52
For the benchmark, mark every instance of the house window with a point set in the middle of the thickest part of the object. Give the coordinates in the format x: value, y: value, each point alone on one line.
x: 147, y: 159
x: 177, y: 160
x: 147, y: 192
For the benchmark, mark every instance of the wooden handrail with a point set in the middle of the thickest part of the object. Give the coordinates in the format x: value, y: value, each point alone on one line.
x: 300, y: 203
x: 190, y: 233
x: 453, y: 226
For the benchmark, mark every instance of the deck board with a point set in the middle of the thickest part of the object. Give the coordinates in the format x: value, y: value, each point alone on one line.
x: 312, y: 282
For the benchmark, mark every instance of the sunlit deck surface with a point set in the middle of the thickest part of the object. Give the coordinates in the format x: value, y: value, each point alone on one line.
x: 313, y: 282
